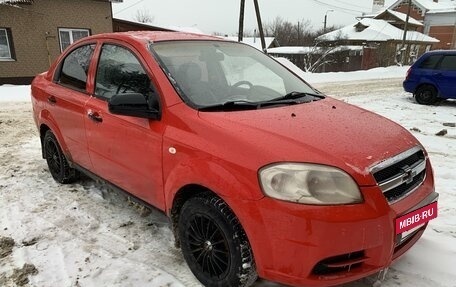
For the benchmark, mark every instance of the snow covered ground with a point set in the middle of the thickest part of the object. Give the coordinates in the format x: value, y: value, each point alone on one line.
x: 82, y: 235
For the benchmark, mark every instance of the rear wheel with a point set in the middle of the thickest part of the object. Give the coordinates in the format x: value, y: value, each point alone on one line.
x: 57, y: 163
x: 214, y: 244
x: 426, y: 95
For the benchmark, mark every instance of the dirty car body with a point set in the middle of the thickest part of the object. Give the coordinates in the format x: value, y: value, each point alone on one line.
x: 259, y: 172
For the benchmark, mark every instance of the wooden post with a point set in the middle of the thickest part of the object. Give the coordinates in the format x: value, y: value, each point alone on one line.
x: 260, y: 25
x: 241, y: 22
x: 404, y: 38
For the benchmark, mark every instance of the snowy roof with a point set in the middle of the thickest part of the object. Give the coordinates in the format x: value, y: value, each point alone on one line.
x: 430, y: 5
x: 193, y: 30
x: 295, y: 50
x: 253, y: 41
x: 374, y: 31
x: 398, y: 15
x: 16, y: 1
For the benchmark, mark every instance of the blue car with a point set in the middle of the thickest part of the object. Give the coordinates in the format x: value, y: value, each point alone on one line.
x: 432, y: 77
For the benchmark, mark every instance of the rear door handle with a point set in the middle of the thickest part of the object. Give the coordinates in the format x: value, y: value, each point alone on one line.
x: 52, y: 100
x: 94, y: 116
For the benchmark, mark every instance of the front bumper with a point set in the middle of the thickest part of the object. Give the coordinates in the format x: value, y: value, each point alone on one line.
x: 303, y: 245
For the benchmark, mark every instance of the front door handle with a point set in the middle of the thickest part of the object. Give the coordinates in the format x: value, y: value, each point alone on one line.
x: 52, y: 100
x: 94, y: 116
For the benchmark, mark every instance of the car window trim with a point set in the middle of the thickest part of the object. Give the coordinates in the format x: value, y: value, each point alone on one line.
x: 58, y: 70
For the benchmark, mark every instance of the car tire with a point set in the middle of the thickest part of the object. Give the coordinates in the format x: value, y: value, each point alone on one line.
x: 214, y: 243
x: 57, y: 163
x: 426, y: 95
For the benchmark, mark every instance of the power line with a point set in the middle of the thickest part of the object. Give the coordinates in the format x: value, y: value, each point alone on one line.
x: 340, y: 9
x: 126, y: 8
x: 350, y: 4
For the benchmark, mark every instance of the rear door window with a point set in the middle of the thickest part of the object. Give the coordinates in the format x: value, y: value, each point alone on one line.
x: 430, y: 62
x: 448, y: 63
x: 75, y: 68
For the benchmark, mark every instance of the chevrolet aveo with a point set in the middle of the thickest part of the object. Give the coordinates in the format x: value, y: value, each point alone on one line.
x: 260, y: 174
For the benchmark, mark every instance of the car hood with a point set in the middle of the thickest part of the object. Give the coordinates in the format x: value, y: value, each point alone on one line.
x: 326, y: 132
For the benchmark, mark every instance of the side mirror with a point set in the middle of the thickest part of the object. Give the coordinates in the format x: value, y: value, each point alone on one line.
x: 132, y: 104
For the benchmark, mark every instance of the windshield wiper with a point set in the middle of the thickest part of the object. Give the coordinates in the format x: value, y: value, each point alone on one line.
x: 288, y: 99
x: 231, y: 105
x: 295, y: 95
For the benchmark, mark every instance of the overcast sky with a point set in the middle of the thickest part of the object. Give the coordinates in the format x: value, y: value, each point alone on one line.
x: 223, y: 15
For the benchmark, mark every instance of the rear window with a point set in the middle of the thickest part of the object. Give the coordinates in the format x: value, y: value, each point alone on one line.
x: 448, y: 63
x: 430, y: 62
x: 75, y: 67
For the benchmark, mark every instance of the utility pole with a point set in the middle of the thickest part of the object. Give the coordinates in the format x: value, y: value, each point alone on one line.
x: 241, y: 22
x: 260, y: 25
x: 404, y: 38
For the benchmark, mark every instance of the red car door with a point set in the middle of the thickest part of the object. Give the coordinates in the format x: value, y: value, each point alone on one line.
x: 67, y: 96
x: 126, y: 151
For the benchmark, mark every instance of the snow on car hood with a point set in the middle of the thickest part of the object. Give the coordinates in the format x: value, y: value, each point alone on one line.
x: 326, y: 132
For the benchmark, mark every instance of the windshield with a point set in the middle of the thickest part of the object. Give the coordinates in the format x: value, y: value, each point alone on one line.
x: 211, y: 73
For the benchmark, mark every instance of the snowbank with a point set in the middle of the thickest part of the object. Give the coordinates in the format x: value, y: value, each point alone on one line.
x: 11, y: 93
x: 376, y: 73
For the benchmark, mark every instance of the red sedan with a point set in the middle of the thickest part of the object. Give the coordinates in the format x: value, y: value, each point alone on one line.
x: 260, y: 174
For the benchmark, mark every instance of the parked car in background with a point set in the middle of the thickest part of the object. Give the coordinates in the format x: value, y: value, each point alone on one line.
x: 432, y: 77
x: 260, y: 174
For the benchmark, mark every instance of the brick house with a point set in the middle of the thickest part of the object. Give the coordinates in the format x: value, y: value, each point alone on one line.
x: 437, y: 16
x: 381, y: 40
x: 34, y: 32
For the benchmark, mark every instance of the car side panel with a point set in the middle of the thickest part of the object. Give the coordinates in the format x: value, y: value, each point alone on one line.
x: 446, y: 81
x: 68, y: 112
x: 127, y: 152
x: 62, y: 109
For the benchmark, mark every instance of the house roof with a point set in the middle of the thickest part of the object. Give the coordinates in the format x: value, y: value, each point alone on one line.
x: 16, y: 1
x: 374, y: 30
x: 441, y: 6
x: 296, y: 50
x: 193, y: 30
x: 398, y: 15
x: 253, y: 41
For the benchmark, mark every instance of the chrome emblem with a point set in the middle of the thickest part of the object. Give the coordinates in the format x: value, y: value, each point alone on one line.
x: 408, y: 174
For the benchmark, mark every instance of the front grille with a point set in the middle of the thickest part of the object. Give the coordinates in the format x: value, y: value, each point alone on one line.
x: 396, y: 193
x: 400, y: 175
x: 340, y: 263
x: 395, y: 169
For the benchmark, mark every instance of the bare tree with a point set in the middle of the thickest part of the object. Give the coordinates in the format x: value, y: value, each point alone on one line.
x: 300, y: 33
x: 321, y: 54
x: 317, y: 57
x: 289, y: 34
x: 144, y: 16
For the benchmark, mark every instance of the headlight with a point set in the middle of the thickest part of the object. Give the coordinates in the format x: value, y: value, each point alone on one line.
x: 309, y: 184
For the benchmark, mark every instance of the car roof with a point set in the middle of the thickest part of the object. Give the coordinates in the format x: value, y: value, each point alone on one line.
x: 153, y: 36
x: 441, y: 52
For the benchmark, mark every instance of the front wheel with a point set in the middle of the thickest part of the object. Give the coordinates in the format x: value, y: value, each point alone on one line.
x: 57, y: 163
x: 426, y: 95
x: 214, y: 244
